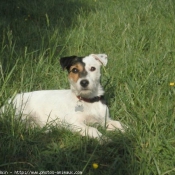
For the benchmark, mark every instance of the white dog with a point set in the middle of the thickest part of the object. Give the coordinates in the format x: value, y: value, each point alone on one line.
x: 75, y: 108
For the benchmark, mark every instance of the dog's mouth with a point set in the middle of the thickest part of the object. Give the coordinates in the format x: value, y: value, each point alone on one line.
x: 84, y: 89
x: 85, y: 92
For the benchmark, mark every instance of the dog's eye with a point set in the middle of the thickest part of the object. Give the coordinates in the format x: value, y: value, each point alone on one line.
x: 75, y: 70
x: 92, y: 69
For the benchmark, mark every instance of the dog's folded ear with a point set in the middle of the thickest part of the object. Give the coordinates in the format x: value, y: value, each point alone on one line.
x: 102, y: 58
x: 66, y: 62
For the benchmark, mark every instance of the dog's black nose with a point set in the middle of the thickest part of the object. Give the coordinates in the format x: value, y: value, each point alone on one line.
x: 84, y: 83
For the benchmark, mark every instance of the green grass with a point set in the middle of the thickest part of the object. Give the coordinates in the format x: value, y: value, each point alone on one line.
x: 138, y: 37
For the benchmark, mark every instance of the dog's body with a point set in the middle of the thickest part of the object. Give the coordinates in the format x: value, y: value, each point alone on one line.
x: 77, y: 107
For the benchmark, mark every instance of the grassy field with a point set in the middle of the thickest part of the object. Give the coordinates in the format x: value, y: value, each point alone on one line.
x: 139, y: 38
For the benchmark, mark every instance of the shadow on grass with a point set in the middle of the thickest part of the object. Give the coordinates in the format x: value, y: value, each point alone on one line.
x: 29, y: 26
x: 60, y: 150
x: 28, y: 20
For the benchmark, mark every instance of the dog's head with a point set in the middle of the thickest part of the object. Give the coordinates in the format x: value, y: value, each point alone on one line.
x: 84, y: 74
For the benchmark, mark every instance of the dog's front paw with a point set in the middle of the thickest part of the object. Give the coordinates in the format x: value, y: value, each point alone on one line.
x: 91, y: 132
x: 113, y: 125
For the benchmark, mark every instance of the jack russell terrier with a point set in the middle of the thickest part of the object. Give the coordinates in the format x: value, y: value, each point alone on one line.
x: 75, y: 108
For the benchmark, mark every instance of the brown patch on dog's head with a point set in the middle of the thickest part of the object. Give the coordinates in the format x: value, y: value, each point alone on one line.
x: 77, y: 71
x: 75, y: 67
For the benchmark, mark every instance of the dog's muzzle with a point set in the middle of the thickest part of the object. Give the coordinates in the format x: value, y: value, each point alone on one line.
x: 84, y: 83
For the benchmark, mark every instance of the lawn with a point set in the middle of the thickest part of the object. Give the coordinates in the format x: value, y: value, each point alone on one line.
x: 139, y: 38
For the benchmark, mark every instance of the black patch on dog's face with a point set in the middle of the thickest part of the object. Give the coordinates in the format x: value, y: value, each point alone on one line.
x: 67, y: 62
x: 75, y: 67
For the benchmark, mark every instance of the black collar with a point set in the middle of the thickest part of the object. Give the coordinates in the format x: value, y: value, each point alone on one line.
x: 92, y: 100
